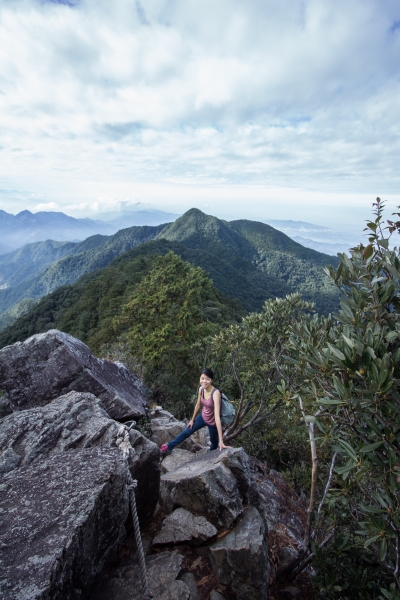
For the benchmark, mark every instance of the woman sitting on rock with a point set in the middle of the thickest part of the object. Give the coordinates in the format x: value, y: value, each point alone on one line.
x: 209, y: 398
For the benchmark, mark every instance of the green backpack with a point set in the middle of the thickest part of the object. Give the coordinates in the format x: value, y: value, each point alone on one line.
x: 227, y: 411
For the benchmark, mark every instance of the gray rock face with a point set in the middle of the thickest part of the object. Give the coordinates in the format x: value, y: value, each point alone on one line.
x: 159, y: 413
x: 214, y: 485
x: 144, y: 466
x: 47, y: 365
x: 190, y: 581
x: 216, y: 595
x: 5, y: 408
x: 124, y: 582
x: 240, y: 559
x: 277, y: 504
x: 174, y: 460
x: 74, y: 421
x: 61, y: 520
x: 182, y: 526
x: 165, y: 430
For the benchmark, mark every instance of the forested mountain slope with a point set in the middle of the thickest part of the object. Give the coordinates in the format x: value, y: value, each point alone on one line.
x: 23, y: 263
x: 270, y: 262
x: 271, y: 251
x: 87, y: 256
x: 86, y: 308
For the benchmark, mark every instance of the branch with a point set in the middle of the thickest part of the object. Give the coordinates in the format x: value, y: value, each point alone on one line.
x: 253, y: 421
x: 241, y: 415
x: 301, y: 566
x: 397, y: 569
x: 328, y: 484
x: 314, y: 469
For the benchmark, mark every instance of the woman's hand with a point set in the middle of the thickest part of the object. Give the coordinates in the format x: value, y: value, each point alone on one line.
x: 221, y: 445
x: 190, y: 424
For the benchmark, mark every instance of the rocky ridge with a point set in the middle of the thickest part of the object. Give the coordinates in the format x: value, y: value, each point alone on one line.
x: 64, y: 506
x: 48, y: 365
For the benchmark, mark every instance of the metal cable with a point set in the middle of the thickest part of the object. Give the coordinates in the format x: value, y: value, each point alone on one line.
x: 147, y: 595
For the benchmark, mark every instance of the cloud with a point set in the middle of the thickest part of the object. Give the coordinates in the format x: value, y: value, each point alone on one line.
x: 284, y: 95
x: 47, y: 206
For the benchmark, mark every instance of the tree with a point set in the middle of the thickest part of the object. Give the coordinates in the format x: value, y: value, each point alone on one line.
x: 349, y: 370
x: 249, y: 356
x: 343, y: 374
x: 162, y: 319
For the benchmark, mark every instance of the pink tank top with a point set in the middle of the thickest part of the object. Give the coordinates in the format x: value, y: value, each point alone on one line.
x: 208, y: 408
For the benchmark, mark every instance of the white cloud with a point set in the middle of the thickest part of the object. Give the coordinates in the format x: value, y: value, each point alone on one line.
x: 110, y: 99
x: 47, y: 206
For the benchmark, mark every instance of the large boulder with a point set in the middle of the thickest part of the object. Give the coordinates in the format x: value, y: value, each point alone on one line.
x: 282, y: 510
x: 165, y: 428
x: 182, y: 526
x: 174, y: 460
x: 214, y: 485
x: 74, y: 421
x: 47, y: 365
x: 124, y: 583
x: 164, y: 431
x: 61, y: 521
x: 240, y: 559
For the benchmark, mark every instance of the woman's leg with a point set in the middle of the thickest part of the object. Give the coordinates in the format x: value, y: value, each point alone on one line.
x: 198, y: 424
x: 213, y: 431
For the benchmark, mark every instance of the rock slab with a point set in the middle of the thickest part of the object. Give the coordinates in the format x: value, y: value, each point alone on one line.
x: 61, y: 521
x: 214, y: 484
x: 240, y: 559
x: 48, y: 365
x: 124, y: 582
x: 283, y: 513
x: 174, y: 460
x: 71, y: 422
x: 165, y: 430
x: 182, y: 526
x: 190, y: 580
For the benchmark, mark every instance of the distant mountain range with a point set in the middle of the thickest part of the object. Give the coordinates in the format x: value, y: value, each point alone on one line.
x: 4, y: 248
x: 26, y: 227
x: 322, y: 239
x: 247, y: 260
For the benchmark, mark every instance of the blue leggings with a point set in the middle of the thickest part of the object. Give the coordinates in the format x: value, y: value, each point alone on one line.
x: 198, y: 424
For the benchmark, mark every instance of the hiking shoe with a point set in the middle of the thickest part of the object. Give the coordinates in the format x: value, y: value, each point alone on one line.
x: 164, y: 450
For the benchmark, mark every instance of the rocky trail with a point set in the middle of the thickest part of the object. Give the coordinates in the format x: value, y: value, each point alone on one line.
x: 214, y: 524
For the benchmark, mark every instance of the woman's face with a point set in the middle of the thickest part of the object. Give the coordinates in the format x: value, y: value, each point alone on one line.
x: 205, y: 381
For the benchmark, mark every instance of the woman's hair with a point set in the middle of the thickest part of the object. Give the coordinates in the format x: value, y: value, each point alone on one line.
x: 207, y: 372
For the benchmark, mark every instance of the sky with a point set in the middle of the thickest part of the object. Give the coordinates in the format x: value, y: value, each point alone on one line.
x: 258, y: 109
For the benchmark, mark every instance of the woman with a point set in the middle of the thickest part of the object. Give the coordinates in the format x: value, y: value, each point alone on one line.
x: 209, y: 398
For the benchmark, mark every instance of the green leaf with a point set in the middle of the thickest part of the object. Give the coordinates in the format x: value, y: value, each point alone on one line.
x: 339, y: 387
x: 370, y: 447
x: 368, y: 252
x: 336, y: 352
x: 371, y: 540
x: 348, y: 341
x: 373, y: 510
x: 348, y: 449
x: 392, y: 335
x: 328, y: 401
x: 383, y: 550
x: 349, y: 466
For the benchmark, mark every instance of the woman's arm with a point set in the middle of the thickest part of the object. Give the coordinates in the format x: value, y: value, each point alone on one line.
x: 197, y: 409
x: 217, y: 415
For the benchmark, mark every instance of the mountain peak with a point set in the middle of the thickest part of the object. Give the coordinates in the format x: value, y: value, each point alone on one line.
x: 193, y: 211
